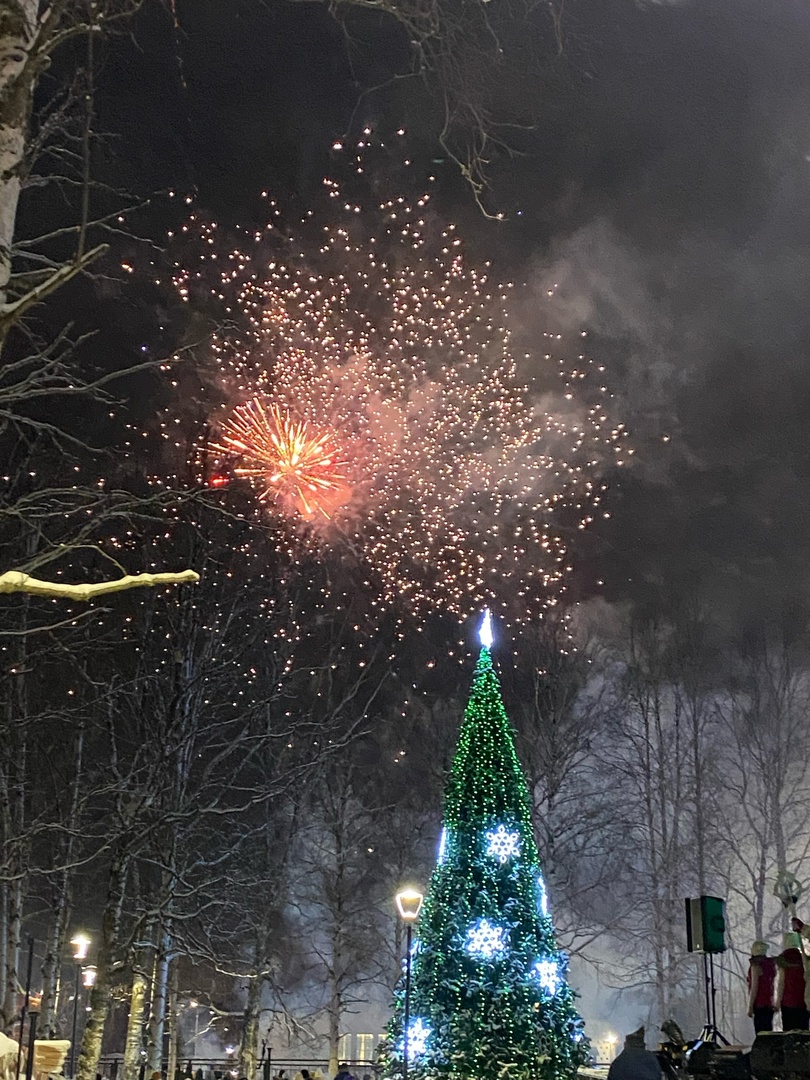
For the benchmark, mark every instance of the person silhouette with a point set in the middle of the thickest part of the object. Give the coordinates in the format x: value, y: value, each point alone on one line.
x: 635, y: 1062
x: 761, y: 984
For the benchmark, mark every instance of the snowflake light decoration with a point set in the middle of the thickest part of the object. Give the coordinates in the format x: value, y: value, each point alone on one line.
x: 548, y: 975
x: 503, y: 843
x: 485, y: 940
x: 418, y: 1035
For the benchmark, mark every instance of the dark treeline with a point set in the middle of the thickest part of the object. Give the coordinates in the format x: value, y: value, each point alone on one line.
x: 228, y: 783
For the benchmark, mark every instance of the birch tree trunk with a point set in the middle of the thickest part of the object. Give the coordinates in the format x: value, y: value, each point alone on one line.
x: 18, y: 70
x: 335, y: 1010
x: 174, y: 1049
x: 13, y: 790
x: 50, y: 965
x: 61, y: 914
x: 652, y: 837
x: 249, y: 1050
x: 4, y: 900
x: 698, y: 768
x: 101, y: 993
x: 336, y: 971
x: 133, y: 1044
x: 160, y: 990
x: 15, y: 901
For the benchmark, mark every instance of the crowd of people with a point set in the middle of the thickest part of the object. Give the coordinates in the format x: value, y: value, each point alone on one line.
x: 344, y: 1073
x: 211, y: 1073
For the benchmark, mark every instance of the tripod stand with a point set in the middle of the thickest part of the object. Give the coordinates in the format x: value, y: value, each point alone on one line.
x: 710, y: 1033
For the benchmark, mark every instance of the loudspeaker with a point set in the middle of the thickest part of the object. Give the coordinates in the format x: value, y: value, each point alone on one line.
x: 776, y: 1055
x: 706, y: 924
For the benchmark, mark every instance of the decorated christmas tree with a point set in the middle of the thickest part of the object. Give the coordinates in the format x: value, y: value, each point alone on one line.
x: 488, y: 996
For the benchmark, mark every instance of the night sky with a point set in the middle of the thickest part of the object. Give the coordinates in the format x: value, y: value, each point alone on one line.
x: 663, y: 186
x: 656, y: 182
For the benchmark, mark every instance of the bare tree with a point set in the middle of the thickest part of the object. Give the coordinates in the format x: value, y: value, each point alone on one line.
x: 484, y: 69
x: 766, y: 771
x: 558, y: 707
x: 338, y: 899
x: 139, y: 986
x: 30, y: 33
x: 647, y: 764
x: 41, y: 375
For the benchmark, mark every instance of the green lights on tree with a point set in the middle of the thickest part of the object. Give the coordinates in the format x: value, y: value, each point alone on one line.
x: 489, y: 997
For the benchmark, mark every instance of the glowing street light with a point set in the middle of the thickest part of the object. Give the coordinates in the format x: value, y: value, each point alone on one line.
x: 81, y: 946
x: 89, y: 976
x: 195, y: 1006
x: 409, y: 904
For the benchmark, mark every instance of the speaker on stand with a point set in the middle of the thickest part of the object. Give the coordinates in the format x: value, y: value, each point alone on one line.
x: 706, y: 934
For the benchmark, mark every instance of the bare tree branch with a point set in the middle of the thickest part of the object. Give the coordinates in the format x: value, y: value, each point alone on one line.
x: 14, y: 581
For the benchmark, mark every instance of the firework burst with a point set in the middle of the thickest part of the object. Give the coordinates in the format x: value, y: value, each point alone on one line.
x: 372, y: 396
x: 297, y: 466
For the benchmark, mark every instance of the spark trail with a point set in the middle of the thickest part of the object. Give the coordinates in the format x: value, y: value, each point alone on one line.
x: 370, y: 394
x: 298, y: 466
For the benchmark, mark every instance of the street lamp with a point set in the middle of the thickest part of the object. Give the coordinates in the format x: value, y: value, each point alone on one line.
x: 88, y: 982
x: 195, y: 1005
x: 409, y: 904
x: 81, y: 945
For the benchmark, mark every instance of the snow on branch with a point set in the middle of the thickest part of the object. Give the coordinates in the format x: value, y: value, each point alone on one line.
x: 15, y: 581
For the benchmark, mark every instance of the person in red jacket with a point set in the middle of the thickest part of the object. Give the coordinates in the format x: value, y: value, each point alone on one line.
x: 790, y: 987
x: 761, y: 982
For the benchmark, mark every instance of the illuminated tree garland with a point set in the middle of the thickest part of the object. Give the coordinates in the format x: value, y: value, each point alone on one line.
x: 488, y: 981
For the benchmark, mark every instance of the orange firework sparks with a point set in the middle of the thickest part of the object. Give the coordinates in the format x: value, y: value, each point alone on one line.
x: 397, y: 411
x: 297, y: 466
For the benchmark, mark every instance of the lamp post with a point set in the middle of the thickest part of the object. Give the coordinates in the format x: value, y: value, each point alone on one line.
x: 81, y: 944
x: 195, y: 1005
x: 409, y: 904
x: 88, y: 982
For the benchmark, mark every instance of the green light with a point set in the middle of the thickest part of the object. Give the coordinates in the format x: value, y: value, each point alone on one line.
x: 484, y: 1012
